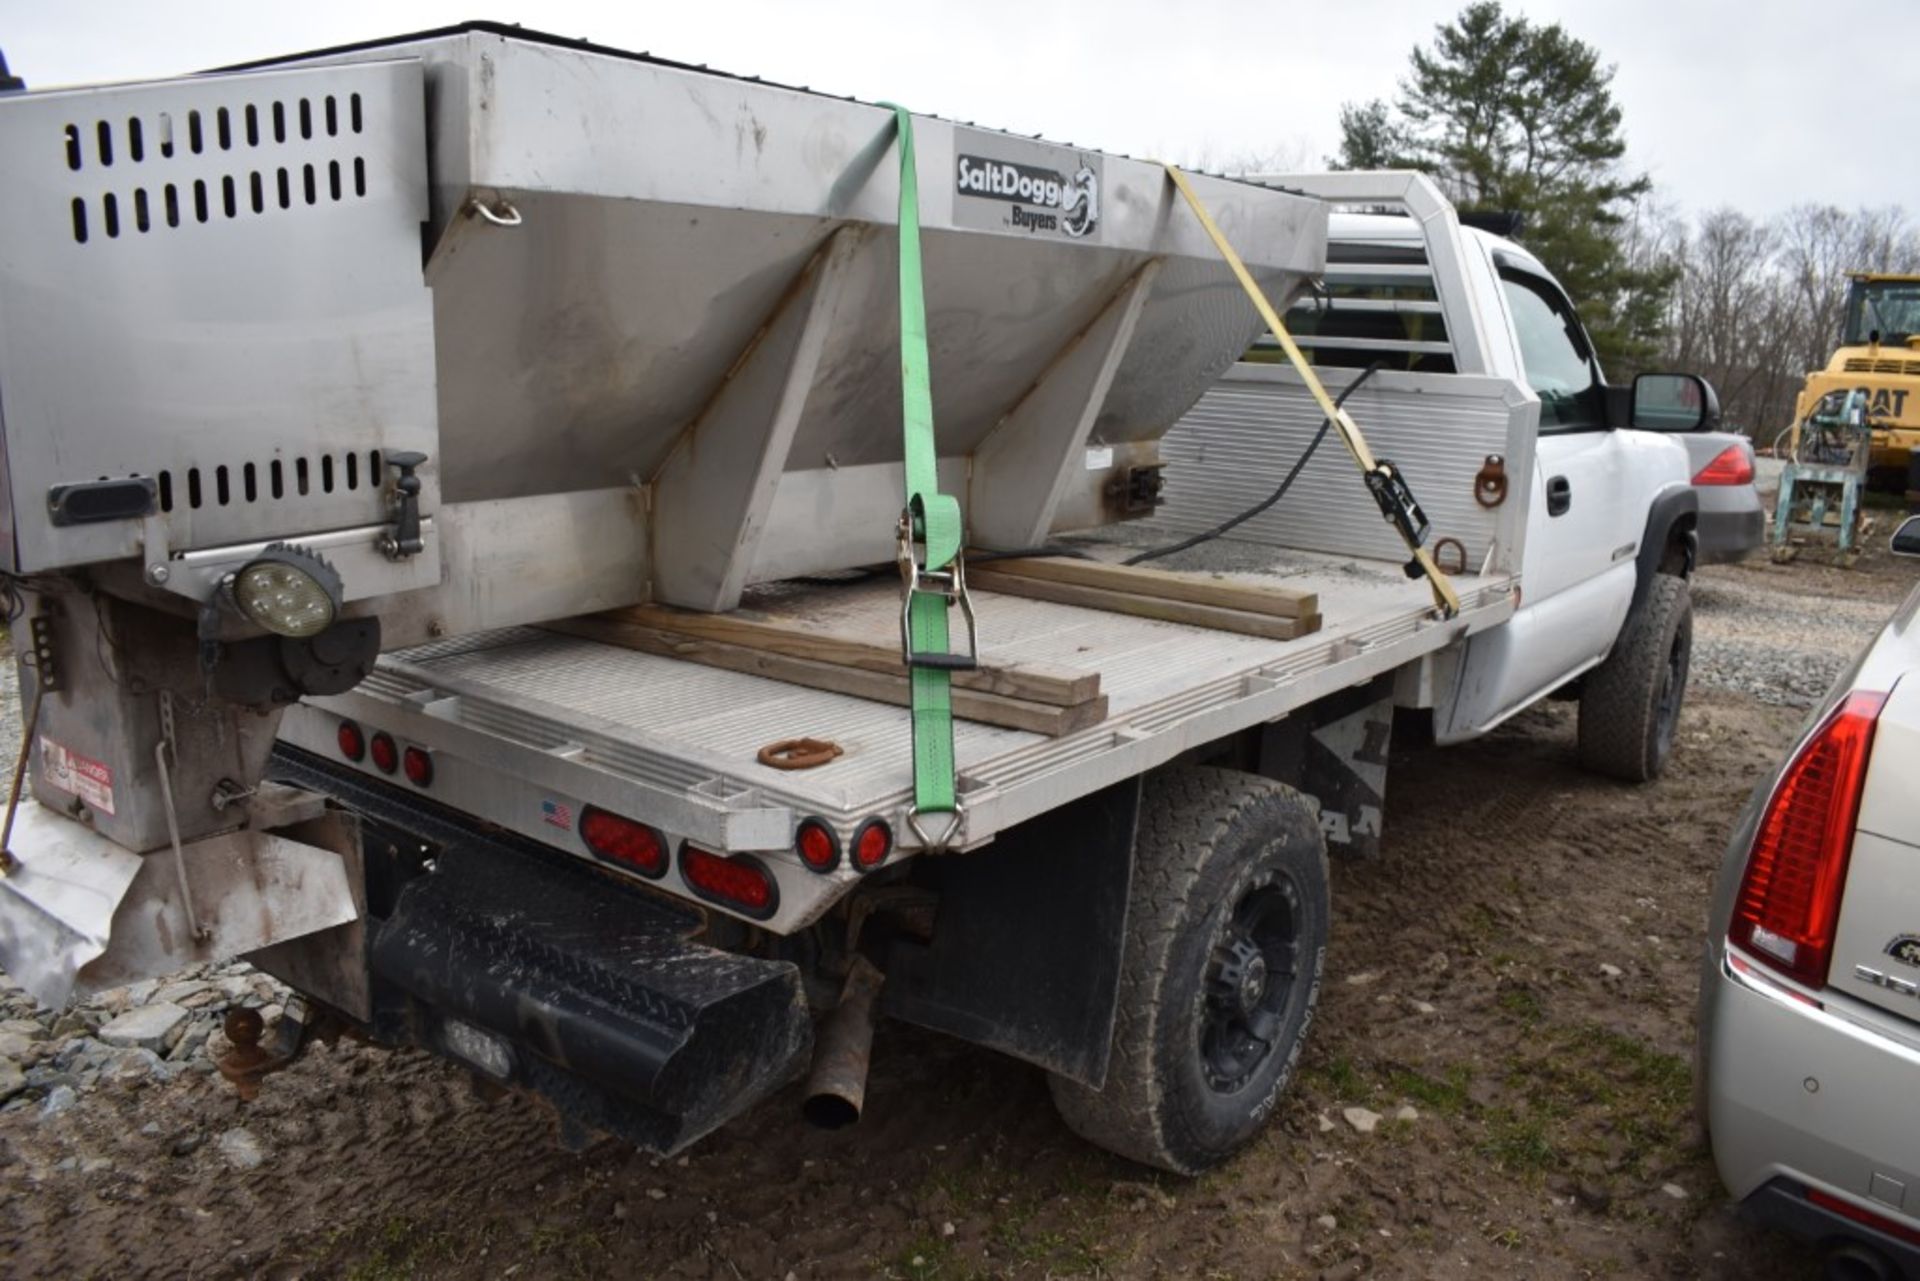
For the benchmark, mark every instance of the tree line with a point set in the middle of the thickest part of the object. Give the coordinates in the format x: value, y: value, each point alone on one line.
x: 1512, y: 116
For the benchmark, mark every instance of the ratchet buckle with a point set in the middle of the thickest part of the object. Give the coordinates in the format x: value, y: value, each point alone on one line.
x: 949, y: 584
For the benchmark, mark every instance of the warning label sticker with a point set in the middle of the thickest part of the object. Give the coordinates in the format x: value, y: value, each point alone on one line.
x: 78, y: 775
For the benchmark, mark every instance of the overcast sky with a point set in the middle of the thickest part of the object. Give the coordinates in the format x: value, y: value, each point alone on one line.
x: 1759, y: 104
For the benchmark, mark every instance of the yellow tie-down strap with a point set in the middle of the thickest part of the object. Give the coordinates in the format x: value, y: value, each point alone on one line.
x: 1371, y: 469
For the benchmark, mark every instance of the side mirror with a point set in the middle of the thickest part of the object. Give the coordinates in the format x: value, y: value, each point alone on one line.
x: 1906, y: 539
x: 1673, y: 402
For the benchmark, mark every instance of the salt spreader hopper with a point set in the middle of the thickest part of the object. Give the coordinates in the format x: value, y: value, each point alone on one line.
x: 311, y: 359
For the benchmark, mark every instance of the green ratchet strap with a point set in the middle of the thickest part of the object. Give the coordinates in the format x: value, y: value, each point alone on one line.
x: 931, y: 519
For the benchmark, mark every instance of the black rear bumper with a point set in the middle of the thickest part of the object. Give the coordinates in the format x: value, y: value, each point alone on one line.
x: 556, y: 977
x: 1783, y: 1204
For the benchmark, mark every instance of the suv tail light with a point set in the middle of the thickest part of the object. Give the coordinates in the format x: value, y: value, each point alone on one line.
x: 634, y: 846
x: 1731, y: 466
x: 741, y: 882
x: 1789, y: 896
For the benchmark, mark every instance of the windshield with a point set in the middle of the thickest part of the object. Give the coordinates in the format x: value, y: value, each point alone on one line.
x: 1890, y: 307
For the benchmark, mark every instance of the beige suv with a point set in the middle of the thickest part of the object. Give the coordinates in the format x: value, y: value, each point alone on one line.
x: 1809, y: 1072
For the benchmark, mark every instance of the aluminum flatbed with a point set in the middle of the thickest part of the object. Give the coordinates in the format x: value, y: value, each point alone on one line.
x: 529, y: 726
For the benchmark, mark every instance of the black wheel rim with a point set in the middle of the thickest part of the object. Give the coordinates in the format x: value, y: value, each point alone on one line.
x: 1673, y: 682
x: 1252, y: 983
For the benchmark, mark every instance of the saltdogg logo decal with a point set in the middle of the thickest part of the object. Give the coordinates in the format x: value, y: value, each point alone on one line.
x: 1043, y: 199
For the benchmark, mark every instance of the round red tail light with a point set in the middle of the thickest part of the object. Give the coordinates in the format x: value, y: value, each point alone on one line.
x: 817, y: 846
x: 741, y: 882
x: 353, y: 744
x: 632, y: 845
x: 871, y: 844
x: 419, y: 767
x: 386, y: 756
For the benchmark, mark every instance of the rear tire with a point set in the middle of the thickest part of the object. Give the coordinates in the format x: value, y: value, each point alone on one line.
x: 1630, y: 704
x: 1226, y: 943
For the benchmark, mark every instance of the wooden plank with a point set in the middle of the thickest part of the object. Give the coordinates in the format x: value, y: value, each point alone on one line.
x: 881, y: 687
x: 1052, y: 683
x: 1139, y: 580
x: 1168, y: 611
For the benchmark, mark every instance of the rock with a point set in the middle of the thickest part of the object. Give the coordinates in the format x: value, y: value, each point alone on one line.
x: 1328, y: 1222
x: 656, y: 1194
x: 188, y: 1143
x: 180, y: 993
x: 241, y: 1149
x: 1423, y: 1007
x: 619, y: 1209
x: 1350, y: 1269
x: 17, y: 1047
x: 58, y: 1100
x: 32, y: 1029
x: 947, y: 1229
x: 135, y: 1065
x: 1592, y: 1197
x: 150, y: 1027
x: 49, y: 1078
x: 1407, y: 1112
x: 1363, y: 978
x: 1323, y: 1123
x: 1361, y: 1119
x: 72, y: 1023
x: 1674, y: 1190
x: 12, y: 1079
x: 1610, y: 971
x: 190, y: 1042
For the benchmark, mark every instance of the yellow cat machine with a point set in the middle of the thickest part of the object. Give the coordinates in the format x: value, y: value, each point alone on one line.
x: 1879, y: 359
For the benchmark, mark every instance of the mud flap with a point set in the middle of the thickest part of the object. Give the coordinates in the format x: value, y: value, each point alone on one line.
x: 1026, y: 948
x: 79, y: 913
x: 1336, y: 752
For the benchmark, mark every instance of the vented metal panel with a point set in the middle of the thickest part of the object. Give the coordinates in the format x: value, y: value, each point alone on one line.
x: 215, y: 284
x: 1235, y: 446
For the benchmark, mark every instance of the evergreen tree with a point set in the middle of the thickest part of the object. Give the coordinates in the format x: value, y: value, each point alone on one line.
x: 1509, y: 115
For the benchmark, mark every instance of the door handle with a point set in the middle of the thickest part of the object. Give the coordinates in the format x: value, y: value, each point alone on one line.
x: 1559, y: 496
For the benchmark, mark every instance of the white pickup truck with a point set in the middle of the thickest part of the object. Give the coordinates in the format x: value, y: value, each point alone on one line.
x: 306, y: 680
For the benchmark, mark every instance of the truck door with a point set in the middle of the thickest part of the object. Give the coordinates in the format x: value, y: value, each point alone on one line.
x: 1583, y: 525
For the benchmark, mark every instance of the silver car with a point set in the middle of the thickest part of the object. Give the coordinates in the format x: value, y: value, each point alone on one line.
x: 1731, y: 521
x: 1809, y: 1042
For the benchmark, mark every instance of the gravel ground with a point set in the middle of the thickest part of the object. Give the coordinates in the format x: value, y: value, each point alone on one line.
x: 1782, y: 633
x: 1498, y: 1082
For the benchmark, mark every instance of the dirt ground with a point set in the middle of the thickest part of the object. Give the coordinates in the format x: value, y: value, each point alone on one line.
x: 1519, y: 969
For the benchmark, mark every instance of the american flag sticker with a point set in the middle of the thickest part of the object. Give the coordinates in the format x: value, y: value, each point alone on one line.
x: 556, y: 813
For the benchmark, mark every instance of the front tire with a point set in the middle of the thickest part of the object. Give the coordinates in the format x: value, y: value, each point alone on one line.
x: 1630, y: 704
x: 1226, y: 944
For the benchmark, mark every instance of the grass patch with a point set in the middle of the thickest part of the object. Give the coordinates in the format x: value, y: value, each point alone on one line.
x: 1447, y: 1096
x: 1518, y: 1141
x: 400, y: 1249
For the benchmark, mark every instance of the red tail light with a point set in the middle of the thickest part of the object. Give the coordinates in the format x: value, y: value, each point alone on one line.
x: 817, y: 846
x: 1860, y: 1214
x: 385, y: 754
x: 418, y: 764
x: 621, y: 840
x: 353, y: 744
x: 740, y: 882
x: 871, y: 844
x: 1790, y: 895
x: 1731, y: 466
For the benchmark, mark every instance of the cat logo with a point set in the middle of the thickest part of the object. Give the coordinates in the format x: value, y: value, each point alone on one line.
x: 1884, y: 402
x: 1906, y: 950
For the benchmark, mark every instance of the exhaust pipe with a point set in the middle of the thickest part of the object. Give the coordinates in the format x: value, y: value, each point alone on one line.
x: 837, y: 1086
